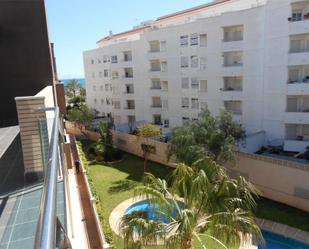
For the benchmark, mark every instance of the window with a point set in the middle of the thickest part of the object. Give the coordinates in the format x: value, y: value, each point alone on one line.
x: 116, y: 104
x: 154, y: 46
x: 99, y: 61
x: 203, y: 105
x: 166, y: 123
x: 203, y: 63
x: 164, y: 85
x: 155, y: 65
x: 185, y: 102
x: 157, y: 119
x: 164, y: 66
x: 131, y: 119
x: 129, y: 88
x: 155, y: 84
x: 95, y: 101
x: 105, y: 59
x: 106, y: 87
x: 110, y: 87
x: 92, y: 61
x: 194, y: 61
x: 235, y: 107
x: 203, y: 85
x: 94, y: 87
x: 194, y: 103
x: 297, y: 15
x: 128, y: 72
x: 203, y: 40
x: 194, y: 39
x: 184, y: 61
x: 194, y: 83
x: 108, y: 101
x: 165, y: 104
x: 130, y: 104
x: 127, y: 56
x: 233, y: 33
x: 156, y: 102
x: 115, y: 74
x: 184, y: 40
x: 185, y: 120
x: 114, y: 59
x: 163, y: 46
x: 184, y: 83
x: 105, y: 73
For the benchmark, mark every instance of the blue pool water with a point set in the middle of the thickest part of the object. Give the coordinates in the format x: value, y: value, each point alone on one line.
x: 153, y: 211
x: 273, y: 241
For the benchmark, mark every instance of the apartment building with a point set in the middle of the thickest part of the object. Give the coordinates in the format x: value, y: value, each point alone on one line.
x: 250, y: 57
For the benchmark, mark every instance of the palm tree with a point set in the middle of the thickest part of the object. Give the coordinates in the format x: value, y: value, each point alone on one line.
x: 201, y: 201
x: 72, y: 87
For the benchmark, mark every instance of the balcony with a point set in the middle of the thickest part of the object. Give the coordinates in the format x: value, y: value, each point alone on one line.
x: 299, y: 27
x: 299, y: 58
x: 231, y: 94
x: 156, y: 106
x: 295, y: 145
x: 232, y: 45
x: 298, y: 88
x: 297, y: 117
x: 297, y: 137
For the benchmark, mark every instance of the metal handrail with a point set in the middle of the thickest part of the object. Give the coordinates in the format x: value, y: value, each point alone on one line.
x: 47, y: 224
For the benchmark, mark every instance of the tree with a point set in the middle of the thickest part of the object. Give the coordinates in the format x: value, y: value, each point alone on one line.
x: 147, y: 132
x: 202, y: 201
x: 207, y: 137
x: 82, y: 115
x: 76, y: 102
x: 72, y: 88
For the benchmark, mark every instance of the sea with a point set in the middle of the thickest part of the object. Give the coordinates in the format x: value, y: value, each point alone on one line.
x: 80, y: 81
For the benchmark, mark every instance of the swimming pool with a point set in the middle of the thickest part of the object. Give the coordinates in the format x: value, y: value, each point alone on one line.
x: 273, y: 241
x: 276, y: 241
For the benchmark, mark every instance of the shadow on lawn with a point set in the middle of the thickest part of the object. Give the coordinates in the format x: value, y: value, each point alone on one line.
x: 122, y: 186
x: 131, y: 165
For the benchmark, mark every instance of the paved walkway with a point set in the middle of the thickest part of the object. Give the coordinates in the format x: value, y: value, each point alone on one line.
x: 89, y: 217
x: 78, y: 236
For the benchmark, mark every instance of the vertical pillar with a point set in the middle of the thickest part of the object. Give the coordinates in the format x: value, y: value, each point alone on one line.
x: 30, y: 122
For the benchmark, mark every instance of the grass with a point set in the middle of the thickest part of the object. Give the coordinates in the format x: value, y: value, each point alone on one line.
x: 278, y: 212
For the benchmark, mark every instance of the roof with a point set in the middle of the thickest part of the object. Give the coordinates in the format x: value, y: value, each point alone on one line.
x: 186, y: 11
x: 138, y: 30
x: 122, y: 34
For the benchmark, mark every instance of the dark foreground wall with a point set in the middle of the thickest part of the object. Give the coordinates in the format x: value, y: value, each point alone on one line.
x: 25, y: 60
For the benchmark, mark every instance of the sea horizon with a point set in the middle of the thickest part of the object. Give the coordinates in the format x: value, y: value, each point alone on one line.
x: 81, y: 81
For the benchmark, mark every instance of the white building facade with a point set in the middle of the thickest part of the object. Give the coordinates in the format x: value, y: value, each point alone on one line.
x: 250, y: 57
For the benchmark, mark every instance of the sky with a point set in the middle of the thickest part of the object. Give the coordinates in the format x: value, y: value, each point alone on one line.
x: 76, y: 25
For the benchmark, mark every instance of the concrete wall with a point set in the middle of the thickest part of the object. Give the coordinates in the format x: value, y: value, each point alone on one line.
x: 279, y: 180
x: 25, y: 65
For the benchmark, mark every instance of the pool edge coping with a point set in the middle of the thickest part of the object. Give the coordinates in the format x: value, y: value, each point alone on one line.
x: 283, y: 230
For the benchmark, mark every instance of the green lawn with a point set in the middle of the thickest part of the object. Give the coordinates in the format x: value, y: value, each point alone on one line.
x: 281, y: 213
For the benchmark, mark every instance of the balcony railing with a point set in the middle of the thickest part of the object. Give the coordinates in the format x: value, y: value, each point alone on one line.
x: 49, y: 226
x: 156, y: 105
